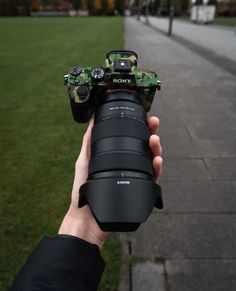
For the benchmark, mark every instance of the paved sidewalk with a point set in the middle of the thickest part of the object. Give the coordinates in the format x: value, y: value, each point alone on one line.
x: 191, y: 244
x: 215, y: 44
x: 216, y: 38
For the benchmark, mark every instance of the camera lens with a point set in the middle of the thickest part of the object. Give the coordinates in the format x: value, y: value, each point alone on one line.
x: 120, y: 190
x: 120, y: 137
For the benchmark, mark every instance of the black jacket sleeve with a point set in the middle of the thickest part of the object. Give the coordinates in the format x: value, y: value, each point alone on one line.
x: 62, y: 263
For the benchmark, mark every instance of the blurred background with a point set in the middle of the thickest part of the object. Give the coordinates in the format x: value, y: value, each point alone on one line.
x: 182, y: 8
x: 191, y: 244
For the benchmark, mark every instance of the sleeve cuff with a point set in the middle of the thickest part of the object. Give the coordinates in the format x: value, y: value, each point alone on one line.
x: 73, y: 255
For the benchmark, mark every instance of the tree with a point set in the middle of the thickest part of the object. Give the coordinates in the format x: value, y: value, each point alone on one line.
x: 119, y: 6
x: 36, y: 5
x: 97, y: 7
x: 154, y: 7
x: 90, y: 6
x: 76, y: 4
x: 104, y: 5
x: 15, y: 7
x: 110, y: 6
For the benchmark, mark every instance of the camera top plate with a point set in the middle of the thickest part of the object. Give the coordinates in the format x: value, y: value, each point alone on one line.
x: 120, y: 72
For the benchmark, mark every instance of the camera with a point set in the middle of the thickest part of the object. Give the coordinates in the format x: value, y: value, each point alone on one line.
x: 119, y: 190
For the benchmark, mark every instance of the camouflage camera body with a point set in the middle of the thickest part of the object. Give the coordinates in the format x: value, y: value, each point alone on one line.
x: 87, y: 85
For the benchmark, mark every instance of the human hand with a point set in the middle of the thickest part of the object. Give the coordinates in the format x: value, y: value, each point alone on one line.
x: 80, y: 221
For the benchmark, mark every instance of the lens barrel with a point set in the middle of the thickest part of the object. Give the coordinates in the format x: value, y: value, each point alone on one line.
x: 120, y: 189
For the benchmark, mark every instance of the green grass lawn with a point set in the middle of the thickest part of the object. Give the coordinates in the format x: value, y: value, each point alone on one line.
x: 219, y: 20
x: 228, y: 21
x: 39, y: 141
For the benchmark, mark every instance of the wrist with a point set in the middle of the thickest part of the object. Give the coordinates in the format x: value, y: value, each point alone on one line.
x: 82, y: 227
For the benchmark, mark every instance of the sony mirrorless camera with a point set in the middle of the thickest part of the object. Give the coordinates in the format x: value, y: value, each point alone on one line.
x: 120, y: 190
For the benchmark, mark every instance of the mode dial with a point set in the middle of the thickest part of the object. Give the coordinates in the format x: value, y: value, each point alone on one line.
x: 97, y: 74
x: 75, y: 71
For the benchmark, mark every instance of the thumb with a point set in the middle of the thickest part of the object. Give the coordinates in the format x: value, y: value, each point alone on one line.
x: 86, y: 144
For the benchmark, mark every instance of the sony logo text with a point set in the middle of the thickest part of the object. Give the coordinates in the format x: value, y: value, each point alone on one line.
x: 123, y: 81
x: 123, y: 182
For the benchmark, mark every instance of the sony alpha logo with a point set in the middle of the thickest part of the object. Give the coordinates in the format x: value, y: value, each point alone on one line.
x: 121, y: 81
x: 123, y: 182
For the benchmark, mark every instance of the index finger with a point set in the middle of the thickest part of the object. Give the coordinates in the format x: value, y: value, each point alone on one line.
x: 153, y: 123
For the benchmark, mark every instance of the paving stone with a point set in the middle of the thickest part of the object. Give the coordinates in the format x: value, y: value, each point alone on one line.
x: 207, y: 107
x: 185, y: 170
x: 212, y: 119
x: 124, y: 284
x: 182, y: 236
x: 160, y: 107
x: 218, y: 40
x: 177, y: 142
x: 202, y: 275
x: 148, y: 276
x: 213, y: 130
x: 222, y: 169
x: 196, y: 232
x: 225, y: 148
x: 171, y: 134
x: 180, y: 148
x: 201, y: 196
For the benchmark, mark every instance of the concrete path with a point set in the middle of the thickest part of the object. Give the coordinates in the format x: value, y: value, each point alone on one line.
x: 191, y: 244
x: 218, y: 39
x: 215, y: 44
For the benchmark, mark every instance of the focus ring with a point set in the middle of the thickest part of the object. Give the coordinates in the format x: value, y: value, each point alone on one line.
x: 127, y: 162
x: 120, y: 144
x: 123, y: 127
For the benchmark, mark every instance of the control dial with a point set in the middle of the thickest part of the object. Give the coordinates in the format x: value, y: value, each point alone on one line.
x: 75, y: 71
x: 97, y: 74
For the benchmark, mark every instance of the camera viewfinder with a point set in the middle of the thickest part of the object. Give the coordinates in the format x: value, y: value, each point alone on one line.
x: 121, y: 65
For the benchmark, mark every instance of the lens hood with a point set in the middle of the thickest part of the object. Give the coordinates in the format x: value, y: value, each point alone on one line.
x: 120, y: 190
x: 107, y: 197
